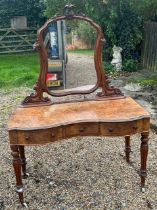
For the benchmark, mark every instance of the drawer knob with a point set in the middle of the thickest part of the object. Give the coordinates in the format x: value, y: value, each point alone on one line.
x: 53, y: 134
x: 27, y: 138
x: 134, y: 127
x: 82, y: 129
x: 110, y: 129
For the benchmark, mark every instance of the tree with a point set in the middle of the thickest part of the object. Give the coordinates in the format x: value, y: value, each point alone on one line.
x: 89, y: 7
x: 33, y: 9
x: 86, y: 33
x: 121, y: 21
x: 147, y: 9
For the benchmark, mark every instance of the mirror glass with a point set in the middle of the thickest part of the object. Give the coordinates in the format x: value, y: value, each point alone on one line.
x: 70, y: 48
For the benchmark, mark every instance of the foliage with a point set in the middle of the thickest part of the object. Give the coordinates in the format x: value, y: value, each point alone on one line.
x: 108, y: 67
x: 82, y: 31
x: 123, y: 28
x: 90, y: 7
x: 147, y: 9
x: 128, y: 31
x: 18, y: 70
x: 121, y: 21
x: 130, y: 65
x: 148, y: 80
x: 121, y: 24
x: 33, y: 9
x: 86, y: 33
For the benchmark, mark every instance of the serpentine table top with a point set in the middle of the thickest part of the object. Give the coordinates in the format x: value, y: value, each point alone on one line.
x: 32, y: 118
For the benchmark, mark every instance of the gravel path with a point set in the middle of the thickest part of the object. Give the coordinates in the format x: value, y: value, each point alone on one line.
x: 80, y: 71
x: 87, y: 173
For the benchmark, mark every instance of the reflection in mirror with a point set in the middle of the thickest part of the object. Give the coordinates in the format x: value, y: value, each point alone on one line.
x: 70, y: 48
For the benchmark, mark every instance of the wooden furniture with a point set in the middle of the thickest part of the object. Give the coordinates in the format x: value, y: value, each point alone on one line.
x: 39, y: 120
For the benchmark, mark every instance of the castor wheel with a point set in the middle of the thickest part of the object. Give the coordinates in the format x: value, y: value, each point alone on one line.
x: 25, y: 175
x: 143, y: 189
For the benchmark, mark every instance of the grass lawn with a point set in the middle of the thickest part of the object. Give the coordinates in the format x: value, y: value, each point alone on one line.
x: 23, y: 69
x: 82, y: 51
x: 18, y: 70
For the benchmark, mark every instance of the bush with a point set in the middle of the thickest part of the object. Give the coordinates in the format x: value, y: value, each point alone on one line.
x: 130, y: 65
x: 32, y: 9
x: 108, y: 67
x: 122, y: 27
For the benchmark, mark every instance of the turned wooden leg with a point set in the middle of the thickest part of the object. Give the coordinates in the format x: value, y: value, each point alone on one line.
x: 127, y: 148
x: 23, y: 161
x: 144, y: 154
x: 17, y: 168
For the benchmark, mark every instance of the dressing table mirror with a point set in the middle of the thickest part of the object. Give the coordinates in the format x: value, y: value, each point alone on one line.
x: 40, y: 120
x: 64, y: 40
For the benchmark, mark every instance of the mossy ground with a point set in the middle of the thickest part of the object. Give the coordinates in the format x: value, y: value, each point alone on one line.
x: 148, y: 79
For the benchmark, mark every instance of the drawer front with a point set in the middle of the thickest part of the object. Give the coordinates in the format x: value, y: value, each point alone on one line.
x: 121, y: 129
x: 39, y: 136
x: 44, y: 136
x: 82, y: 129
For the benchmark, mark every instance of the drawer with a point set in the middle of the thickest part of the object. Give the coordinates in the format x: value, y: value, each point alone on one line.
x: 121, y: 128
x: 39, y: 136
x: 82, y: 129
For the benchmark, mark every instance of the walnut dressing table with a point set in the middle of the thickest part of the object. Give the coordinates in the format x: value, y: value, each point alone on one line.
x: 40, y: 121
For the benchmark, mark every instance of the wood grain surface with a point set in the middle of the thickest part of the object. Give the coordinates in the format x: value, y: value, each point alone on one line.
x: 120, y: 110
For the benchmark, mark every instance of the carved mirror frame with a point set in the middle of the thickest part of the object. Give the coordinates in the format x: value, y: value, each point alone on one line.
x: 107, y: 91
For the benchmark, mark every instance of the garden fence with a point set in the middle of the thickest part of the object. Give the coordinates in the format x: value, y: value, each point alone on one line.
x: 17, y: 40
x: 149, y: 53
